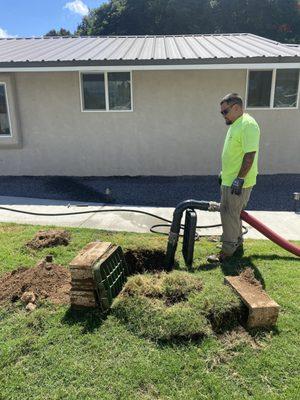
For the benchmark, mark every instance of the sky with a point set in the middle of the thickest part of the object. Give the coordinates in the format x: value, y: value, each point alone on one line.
x: 27, y: 18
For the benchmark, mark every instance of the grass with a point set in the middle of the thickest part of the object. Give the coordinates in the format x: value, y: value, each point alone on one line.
x: 55, y: 354
x: 177, y: 305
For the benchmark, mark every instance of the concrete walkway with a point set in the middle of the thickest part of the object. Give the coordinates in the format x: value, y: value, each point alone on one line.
x: 285, y: 223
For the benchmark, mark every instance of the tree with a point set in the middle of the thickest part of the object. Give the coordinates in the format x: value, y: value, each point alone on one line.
x: 275, y: 19
x: 61, y: 32
x: 138, y: 17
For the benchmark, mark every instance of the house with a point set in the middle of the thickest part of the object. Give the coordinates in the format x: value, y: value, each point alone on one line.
x: 142, y: 105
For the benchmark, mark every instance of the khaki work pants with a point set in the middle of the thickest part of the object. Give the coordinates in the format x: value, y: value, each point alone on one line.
x: 231, y: 207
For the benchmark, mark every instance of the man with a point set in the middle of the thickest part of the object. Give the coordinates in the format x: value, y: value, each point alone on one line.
x: 239, y: 171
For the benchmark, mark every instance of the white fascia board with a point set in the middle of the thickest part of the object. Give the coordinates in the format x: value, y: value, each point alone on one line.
x: 153, y: 67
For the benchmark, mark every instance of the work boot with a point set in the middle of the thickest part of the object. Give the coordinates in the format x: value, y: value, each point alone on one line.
x: 239, y: 250
x: 218, y: 258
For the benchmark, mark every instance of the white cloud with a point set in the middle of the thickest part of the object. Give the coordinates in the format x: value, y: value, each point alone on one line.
x: 4, y: 34
x: 78, y: 7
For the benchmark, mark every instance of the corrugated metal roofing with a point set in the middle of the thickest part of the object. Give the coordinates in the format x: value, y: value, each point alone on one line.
x: 139, y: 49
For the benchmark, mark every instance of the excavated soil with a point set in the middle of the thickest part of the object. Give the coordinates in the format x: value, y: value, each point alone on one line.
x: 46, y: 281
x: 248, y: 277
x: 49, y: 238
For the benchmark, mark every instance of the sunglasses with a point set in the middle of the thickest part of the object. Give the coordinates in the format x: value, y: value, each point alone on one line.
x: 227, y: 110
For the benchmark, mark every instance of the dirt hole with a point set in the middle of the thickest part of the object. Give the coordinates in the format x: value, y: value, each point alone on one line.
x: 141, y: 261
x: 49, y: 238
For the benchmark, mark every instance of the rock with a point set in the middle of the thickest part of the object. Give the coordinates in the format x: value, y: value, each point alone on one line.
x: 44, y: 294
x: 40, y: 264
x: 30, y: 307
x: 28, y: 297
x: 49, y: 258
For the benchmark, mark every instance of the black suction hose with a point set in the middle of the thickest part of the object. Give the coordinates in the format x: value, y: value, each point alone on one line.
x: 107, y: 210
x: 176, y: 223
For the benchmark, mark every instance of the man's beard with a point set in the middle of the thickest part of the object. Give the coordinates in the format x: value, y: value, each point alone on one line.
x: 228, y: 122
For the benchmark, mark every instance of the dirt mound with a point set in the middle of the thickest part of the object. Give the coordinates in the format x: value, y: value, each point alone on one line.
x: 248, y: 276
x: 45, y: 281
x: 50, y: 238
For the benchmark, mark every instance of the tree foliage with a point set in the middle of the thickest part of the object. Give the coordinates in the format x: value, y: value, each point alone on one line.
x: 61, y: 32
x: 276, y: 19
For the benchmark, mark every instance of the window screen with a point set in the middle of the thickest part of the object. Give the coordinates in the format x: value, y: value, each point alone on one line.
x: 259, y: 88
x: 286, y: 89
x: 119, y: 90
x: 4, y: 118
x: 93, y: 91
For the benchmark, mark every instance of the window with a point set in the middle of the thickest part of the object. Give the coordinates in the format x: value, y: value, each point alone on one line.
x: 259, y: 88
x: 273, y: 88
x: 286, y: 89
x: 119, y: 91
x: 4, y: 114
x: 107, y: 91
x: 93, y: 91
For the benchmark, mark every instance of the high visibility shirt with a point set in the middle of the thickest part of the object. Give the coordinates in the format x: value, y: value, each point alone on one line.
x: 242, y: 137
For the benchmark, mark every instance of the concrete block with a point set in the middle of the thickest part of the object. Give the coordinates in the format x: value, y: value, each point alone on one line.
x: 263, y: 311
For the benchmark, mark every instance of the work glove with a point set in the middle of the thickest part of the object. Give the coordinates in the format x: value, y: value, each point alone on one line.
x: 237, y: 185
x: 220, y: 178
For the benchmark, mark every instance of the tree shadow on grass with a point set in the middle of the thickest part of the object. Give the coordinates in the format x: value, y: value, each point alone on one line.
x: 90, y: 319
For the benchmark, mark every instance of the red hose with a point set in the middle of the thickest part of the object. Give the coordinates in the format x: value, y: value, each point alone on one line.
x: 292, y: 248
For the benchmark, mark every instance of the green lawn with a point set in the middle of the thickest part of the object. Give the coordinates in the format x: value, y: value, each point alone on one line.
x: 54, y: 354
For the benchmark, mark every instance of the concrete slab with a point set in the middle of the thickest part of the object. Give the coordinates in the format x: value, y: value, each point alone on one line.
x: 285, y: 223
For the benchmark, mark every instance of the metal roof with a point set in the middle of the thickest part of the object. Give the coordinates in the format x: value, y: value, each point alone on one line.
x: 122, y: 50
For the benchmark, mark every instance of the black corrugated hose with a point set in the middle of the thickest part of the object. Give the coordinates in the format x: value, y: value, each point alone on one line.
x: 152, y: 229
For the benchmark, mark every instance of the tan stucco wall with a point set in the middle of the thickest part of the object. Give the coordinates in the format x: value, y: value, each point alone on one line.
x: 175, y: 128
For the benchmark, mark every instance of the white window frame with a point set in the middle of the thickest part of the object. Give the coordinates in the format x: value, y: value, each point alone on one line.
x: 106, y: 91
x: 8, y: 112
x: 272, y: 95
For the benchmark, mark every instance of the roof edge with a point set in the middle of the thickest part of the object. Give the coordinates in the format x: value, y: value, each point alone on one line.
x: 209, y: 63
x: 130, y: 36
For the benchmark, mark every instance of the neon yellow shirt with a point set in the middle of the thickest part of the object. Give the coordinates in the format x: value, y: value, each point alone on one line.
x: 242, y: 137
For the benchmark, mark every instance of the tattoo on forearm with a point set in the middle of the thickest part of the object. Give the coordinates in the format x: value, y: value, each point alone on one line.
x: 246, y: 164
